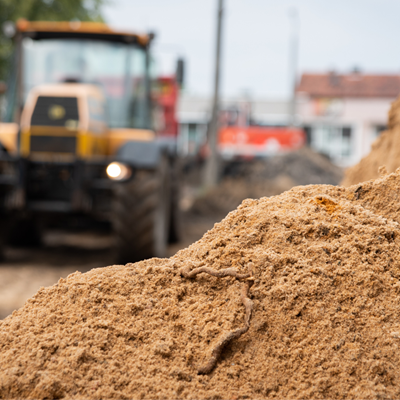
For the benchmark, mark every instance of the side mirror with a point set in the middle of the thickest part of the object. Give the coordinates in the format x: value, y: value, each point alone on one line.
x: 3, y: 87
x: 180, y: 71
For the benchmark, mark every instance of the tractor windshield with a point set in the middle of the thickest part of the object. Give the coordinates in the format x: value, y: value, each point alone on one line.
x: 119, y: 69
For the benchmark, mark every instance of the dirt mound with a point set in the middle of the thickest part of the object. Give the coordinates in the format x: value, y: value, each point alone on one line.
x: 321, y: 265
x: 303, y: 167
x: 385, y: 151
x: 269, y: 177
x: 230, y: 192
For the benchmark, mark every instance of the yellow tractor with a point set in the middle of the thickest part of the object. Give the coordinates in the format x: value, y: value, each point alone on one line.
x: 77, y: 139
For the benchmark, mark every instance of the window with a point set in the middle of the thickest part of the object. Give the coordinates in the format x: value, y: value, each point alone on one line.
x: 118, y: 68
x: 192, y: 130
x: 334, y: 141
x: 346, y: 141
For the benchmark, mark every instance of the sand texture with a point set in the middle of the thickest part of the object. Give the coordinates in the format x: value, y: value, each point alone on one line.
x: 324, y: 292
x: 385, y: 151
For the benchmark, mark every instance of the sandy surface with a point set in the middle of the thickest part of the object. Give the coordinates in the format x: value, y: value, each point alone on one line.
x: 293, y: 296
x: 26, y: 270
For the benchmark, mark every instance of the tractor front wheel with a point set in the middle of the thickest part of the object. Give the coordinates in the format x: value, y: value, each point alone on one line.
x: 141, y: 215
x: 24, y: 232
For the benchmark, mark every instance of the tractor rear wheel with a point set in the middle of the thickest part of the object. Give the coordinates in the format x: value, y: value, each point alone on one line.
x: 141, y: 215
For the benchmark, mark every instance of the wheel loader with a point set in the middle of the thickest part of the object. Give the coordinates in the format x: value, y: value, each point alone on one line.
x: 78, y: 143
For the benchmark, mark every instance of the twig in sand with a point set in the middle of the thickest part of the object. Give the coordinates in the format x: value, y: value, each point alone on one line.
x: 219, y: 274
x: 244, y: 296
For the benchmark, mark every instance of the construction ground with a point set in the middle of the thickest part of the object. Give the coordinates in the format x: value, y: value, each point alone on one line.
x: 27, y: 269
x: 293, y: 294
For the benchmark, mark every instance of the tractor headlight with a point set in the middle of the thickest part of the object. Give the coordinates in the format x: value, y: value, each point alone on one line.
x: 118, y: 171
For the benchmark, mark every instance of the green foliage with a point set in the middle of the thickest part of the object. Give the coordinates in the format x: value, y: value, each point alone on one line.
x: 42, y: 10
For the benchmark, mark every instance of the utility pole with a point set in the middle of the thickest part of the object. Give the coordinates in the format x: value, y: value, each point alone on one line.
x: 293, y: 60
x: 212, y: 165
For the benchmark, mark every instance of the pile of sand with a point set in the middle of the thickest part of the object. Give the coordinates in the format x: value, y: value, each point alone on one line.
x: 266, y: 177
x: 385, y: 151
x: 325, y: 320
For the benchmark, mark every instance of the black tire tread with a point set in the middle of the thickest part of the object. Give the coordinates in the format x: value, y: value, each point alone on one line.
x: 134, y: 212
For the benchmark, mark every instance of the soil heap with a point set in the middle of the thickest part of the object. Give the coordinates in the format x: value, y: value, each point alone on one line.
x: 321, y: 265
x: 385, y: 151
x: 267, y: 177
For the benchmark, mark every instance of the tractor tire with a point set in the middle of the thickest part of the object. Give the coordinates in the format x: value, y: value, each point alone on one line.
x: 141, y: 214
x: 2, y: 243
x: 24, y: 232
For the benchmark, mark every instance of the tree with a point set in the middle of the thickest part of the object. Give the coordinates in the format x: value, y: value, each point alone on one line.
x: 42, y: 10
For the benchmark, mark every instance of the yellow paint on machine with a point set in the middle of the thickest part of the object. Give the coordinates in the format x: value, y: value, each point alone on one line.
x: 77, y: 27
x: 8, y: 136
x: 25, y: 142
x: 50, y: 131
x: 88, y: 144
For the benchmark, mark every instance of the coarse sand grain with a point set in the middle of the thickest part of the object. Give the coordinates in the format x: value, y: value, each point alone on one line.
x: 325, y: 319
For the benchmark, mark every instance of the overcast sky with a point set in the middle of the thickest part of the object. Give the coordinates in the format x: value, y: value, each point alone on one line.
x: 338, y: 35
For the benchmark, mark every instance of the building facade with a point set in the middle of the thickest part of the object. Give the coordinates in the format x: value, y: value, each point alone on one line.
x: 343, y: 114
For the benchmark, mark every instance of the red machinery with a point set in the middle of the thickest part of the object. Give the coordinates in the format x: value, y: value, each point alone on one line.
x: 258, y: 141
x: 239, y: 137
x: 166, y: 92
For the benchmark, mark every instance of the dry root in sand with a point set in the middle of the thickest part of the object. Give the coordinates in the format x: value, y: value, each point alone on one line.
x: 219, y: 274
x: 244, y: 296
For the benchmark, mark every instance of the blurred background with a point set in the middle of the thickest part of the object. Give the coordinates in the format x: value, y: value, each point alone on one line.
x: 128, y: 128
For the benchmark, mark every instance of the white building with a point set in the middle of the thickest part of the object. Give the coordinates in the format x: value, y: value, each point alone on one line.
x: 343, y: 114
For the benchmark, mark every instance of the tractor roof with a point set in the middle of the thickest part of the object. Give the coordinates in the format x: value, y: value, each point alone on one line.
x: 77, y: 29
